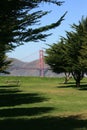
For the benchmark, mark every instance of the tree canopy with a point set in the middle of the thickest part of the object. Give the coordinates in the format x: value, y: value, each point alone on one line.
x: 4, y: 62
x: 70, y: 55
x: 17, y: 20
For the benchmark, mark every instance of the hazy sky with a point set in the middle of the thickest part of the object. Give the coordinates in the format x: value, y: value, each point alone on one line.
x: 76, y: 9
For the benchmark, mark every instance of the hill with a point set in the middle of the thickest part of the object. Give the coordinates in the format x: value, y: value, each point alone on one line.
x: 20, y: 68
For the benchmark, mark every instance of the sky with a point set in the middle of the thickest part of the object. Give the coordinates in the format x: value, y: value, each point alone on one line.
x: 75, y: 10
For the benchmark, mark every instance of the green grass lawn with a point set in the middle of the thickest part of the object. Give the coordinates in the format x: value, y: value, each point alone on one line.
x: 42, y: 104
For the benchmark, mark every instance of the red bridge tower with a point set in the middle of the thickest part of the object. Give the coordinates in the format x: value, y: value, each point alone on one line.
x: 41, y: 62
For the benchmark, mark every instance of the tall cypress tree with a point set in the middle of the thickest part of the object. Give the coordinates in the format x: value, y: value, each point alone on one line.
x: 17, y: 18
x: 71, y: 55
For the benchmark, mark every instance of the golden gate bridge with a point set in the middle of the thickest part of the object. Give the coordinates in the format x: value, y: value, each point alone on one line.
x: 40, y: 66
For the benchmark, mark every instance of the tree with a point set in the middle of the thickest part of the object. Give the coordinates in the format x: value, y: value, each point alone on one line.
x: 17, y: 20
x: 74, y: 58
x: 4, y: 61
x: 57, y: 58
x: 77, y: 46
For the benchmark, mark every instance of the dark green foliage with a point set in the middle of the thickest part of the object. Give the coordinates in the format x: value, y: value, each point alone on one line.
x: 57, y: 57
x: 17, y: 18
x: 73, y: 58
x: 77, y: 45
x: 4, y: 62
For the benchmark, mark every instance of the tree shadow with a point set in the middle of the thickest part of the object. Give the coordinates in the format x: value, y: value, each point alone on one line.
x: 13, y: 99
x: 9, y: 86
x: 14, y: 96
x: 45, y: 123
x: 16, y: 112
x: 9, y: 91
x: 83, y: 86
x: 13, y: 118
x: 67, y: 85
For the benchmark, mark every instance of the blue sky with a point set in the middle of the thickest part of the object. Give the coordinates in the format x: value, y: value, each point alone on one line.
x: 76, y: 9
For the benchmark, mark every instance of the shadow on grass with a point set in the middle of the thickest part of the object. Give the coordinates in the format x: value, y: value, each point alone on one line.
x: 9, y: 91
x: 13, y: 96
x: 45, y: 123
x: 41, y: 123
x: 9, y: 86
x: 20, y: 98
x: 83, y: 86
x: 15, y: 112
x: 67, y: 85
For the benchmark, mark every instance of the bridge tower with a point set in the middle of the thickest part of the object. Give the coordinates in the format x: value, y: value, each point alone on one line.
x: 41, y: 63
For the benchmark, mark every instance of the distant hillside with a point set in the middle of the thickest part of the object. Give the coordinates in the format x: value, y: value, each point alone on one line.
x: 20, y: 68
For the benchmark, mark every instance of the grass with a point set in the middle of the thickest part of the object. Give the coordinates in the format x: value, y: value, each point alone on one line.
x: 42, y: 104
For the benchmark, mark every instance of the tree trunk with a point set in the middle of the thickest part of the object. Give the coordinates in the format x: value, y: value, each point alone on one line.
x: 78, y: 83
x: 78, y: 76
x: 67, y: 77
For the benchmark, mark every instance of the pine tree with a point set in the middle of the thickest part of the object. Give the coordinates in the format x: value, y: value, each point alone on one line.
x: 73, y: 58
x: 17, y: 18
x: 77, y: 50
x: 57, y: 58
x: 4, y: 61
